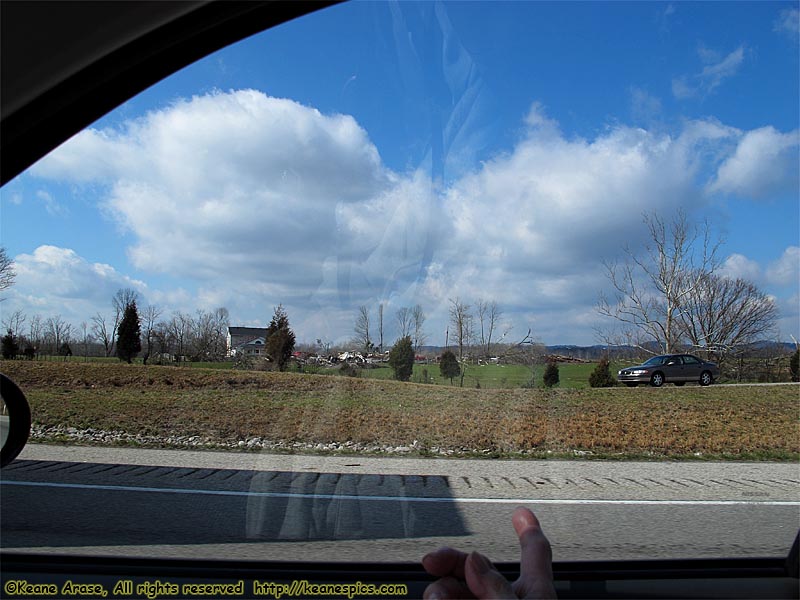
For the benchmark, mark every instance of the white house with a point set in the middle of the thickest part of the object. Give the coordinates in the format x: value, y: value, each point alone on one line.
x: 246, y: 340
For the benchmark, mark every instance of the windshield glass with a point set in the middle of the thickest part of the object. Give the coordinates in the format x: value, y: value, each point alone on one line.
x: 655, y: 361
x: 355, y: 287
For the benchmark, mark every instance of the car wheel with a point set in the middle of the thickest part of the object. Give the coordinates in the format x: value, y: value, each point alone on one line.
x: 706, y: 378
x: 680, y: 383
x: 631, y: 384
x: 657, y: 380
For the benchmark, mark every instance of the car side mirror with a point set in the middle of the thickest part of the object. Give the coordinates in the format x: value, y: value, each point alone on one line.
x: 15, y: 420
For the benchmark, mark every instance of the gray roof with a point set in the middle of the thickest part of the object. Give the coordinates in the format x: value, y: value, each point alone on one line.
x: 254, y: 331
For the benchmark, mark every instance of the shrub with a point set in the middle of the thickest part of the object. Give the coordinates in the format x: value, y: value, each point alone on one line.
x: 349, y: 370
x: 449, y: 367
x: 551, y: 374
x: 65, y: 350
x: 794, y: 365
x: 601, y: 376
x: 401, y: 359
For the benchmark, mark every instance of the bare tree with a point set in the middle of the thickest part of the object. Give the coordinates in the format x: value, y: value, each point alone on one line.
x: 651, y: 288
x: 362, y: 328
x: 86, y: 339
x: 149, y: 319
x: 162, y: 339
x: 380, y: 327
x: 180, y: 328
x: 722, y: 314
x: 7, y: 273
x: 14, y: 322
x: 35, y: 333
x: 489, y: 315
x: 222, y: 321
x: 57, y: 332
x: 418, y: 320
x: 404, y: 321
x: 528, y: 352
x: 101, y: 331
x: 461, y: 321
x: 208, y: 334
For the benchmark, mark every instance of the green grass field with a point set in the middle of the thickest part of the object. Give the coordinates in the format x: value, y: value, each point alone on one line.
x: 571, y: 375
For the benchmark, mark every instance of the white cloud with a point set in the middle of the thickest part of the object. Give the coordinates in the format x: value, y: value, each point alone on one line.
x: 765, y: 162
x: 711, y: 76
x: 788, y: 22
x: 14, y: 198
x: 738, y: 266
x: 54, y: 280
x: 51, y: 205
x: 248, y: 201
x: 664, y: 17
x: 225, y: 183
x: 782, y: 274
x: 786, y: 270
x: 644, y: 106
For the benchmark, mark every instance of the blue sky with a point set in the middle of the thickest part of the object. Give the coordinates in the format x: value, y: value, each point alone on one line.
x: 414, y: 153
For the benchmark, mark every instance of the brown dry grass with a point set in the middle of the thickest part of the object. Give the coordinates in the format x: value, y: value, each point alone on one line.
x: 671, y: 422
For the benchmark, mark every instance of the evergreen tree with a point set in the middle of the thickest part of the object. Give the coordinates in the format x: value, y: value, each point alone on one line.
x: 64, y: 350
x: 794, y: 365
x: 448, y: 366
x: 601, y: 376
x: 10, y: 347
x: 401, y: 358
x: 129, y: 342
x: 280, y: 339
x: 551, y: 374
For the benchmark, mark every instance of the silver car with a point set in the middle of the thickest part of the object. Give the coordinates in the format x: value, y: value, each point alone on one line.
x: 670, y: 368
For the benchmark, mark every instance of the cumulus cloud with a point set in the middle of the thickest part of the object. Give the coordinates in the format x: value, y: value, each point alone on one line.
x: 781, y: 272
x: 223, y: 183
x: 247, y: 201
x: 54, y: 280
x: 710, y: 76
x: 532, y: 225
x: 765, y: 162
x: 738, y: 266
x: 786, y: 270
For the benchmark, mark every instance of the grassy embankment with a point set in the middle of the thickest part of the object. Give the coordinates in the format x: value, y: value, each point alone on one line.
x: 718, y: 422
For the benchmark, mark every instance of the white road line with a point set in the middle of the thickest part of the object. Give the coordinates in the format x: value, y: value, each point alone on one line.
x: 126, y: 488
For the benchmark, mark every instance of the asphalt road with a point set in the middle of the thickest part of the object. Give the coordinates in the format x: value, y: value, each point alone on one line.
x: 224, y: 505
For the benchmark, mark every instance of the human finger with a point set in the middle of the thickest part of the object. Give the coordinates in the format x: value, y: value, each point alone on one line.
x: 445, y: 562
x: 536, y: 555
x: 484, y: 580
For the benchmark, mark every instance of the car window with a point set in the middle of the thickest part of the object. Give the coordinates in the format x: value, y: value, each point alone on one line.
x: 354, y: 287
x: 655, y: 361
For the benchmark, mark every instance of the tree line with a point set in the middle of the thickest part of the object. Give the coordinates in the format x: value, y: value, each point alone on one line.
x: 180, y: 336
x: 475, y: 327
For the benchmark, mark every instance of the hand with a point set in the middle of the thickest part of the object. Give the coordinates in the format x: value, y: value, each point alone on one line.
x: 474, y: 576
